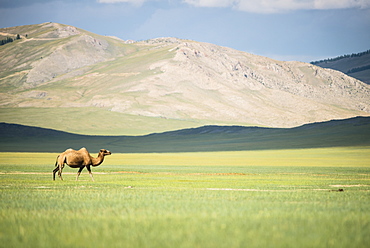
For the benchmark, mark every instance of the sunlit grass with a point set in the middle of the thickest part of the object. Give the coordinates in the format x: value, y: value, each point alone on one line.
x: 347, y: 157
x: 227, y: 199
x: 332, y: 157
x: 133, y: 125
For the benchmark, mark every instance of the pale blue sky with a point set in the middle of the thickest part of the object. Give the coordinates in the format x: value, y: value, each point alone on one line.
x: 303, y: 30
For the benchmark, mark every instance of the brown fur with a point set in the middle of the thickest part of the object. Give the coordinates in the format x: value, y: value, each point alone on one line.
x: 78, y: 159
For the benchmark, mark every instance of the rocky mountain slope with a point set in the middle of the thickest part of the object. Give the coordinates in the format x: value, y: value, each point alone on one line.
x: 163, y: 80
x: 355, y: 65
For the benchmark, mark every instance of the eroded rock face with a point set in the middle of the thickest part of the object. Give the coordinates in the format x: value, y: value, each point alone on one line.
x: 82, y: 51
x: 60, y: 31
x: 204, y: 81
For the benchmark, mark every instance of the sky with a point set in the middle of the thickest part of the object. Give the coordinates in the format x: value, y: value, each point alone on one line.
x: 302, y: 30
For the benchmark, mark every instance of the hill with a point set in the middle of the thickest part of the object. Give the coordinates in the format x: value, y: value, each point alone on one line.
x: 356, y: 65
x: 338, y: 133
x: 61, y: 77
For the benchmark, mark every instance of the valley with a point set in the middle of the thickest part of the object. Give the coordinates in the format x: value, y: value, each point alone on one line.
x: 352, y: 132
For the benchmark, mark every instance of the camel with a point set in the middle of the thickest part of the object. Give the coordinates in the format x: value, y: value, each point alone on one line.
x: 78, y: 159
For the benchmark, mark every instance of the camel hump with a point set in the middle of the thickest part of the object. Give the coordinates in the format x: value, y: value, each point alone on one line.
x: 83, y: 149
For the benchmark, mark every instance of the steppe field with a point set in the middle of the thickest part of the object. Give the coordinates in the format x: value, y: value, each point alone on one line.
x: 272, y: 198
x: 211, y: 147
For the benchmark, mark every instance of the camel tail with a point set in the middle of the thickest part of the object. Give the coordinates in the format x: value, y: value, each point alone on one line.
x: 56, y: 162
x: 56, y: 167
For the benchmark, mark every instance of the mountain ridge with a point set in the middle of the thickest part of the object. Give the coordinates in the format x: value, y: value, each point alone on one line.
x: 184, y: 82
x: 356, y: 65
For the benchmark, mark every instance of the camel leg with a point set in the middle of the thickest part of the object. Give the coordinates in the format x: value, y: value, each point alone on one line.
x: 55, y: 171
x: 60, y: 171
x: 79, y: 172
x: 88, y: 168
x: 56, y: 168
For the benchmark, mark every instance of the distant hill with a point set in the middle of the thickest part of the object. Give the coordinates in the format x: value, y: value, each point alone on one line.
x: 339, y: 133
x: 62, y: 77
x: 356, y: 65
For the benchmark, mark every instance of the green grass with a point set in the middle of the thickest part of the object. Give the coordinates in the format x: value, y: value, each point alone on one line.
x: 109, y: 123
x: 228, y: 199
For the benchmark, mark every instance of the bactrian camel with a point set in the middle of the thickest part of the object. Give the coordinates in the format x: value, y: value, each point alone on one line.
x: 78, y: 159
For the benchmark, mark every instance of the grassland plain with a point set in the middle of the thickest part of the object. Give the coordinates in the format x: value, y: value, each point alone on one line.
x: 286, y: 198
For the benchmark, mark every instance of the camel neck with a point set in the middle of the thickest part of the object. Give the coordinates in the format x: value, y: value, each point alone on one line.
x: 97, y: 161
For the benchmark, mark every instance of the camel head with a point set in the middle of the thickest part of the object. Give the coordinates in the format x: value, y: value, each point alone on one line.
x: 105, y: 152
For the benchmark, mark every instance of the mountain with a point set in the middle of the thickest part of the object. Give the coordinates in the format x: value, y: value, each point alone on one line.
x: 356, y: 65
x: 61, y: 77
x: 338, y: 133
